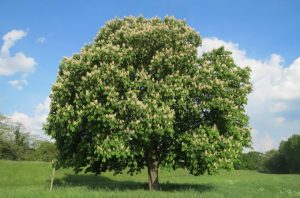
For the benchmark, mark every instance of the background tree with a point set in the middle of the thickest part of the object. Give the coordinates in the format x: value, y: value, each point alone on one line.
x: 250, y: 161
x: 14, y: 141
x: 8, y: 148
x: 274, y: 162
x: 45, y: 150
x: 22, y: 143
x: 17, y: 144
x: 286, y: 159
x: 290, y: 149
x: 5, y: 128
x: 140, y: 96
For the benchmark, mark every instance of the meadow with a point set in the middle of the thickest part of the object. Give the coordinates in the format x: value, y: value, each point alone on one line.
x: 32, y: 179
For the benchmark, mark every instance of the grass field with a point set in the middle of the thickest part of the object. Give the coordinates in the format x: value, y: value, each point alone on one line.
x: 32, y: 179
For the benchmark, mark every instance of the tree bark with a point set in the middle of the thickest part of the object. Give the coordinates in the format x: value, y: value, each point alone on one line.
x: 153, y: 175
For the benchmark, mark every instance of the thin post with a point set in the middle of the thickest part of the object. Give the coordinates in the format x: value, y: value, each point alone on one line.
x: 53, y: 173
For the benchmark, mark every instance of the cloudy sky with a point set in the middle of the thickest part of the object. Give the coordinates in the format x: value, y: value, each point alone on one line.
x: 264, y: 35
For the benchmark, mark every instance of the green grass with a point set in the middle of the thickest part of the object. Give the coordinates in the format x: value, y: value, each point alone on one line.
x: 32, y: 179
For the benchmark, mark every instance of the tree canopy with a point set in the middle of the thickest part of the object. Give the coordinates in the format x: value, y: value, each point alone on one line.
x: 140, y: 96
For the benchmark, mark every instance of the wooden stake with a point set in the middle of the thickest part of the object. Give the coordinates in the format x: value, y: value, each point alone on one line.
x: 53, y: 173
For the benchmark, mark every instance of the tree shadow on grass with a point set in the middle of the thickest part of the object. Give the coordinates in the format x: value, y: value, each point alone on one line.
x: 94, y: 182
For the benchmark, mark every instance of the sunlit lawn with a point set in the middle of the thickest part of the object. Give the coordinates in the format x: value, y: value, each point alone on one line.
x: 32, y: 179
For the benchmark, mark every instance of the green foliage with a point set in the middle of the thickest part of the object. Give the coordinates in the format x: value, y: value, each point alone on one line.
x: 7, y: 151
x: 250, y: 161
x: 16, y: 144
x: 286, y: 159
x: 290, y: 149
x: 45, y: 151
x: 274, y: 162
x: 139, y: 93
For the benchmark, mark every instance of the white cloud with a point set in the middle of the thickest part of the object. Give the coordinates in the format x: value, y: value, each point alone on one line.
x: 41, y: 39
x: 275, y: 86
x: 18, y: 84
x: 17, y: 63
x: 278, y: 107
x: 43, y: 108
x: 289, y: 86
x: 34, y: 124
x: 279, y: 119
x: 270, y: 78
x: 9, y: 65
x: 10, y: 39
x: 267, y: 142
x: 262, y: 142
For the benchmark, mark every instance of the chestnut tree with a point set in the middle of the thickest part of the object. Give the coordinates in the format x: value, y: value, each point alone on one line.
x: 140, y: 96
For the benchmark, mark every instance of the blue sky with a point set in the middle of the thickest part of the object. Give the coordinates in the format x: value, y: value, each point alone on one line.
x: 262, y: 34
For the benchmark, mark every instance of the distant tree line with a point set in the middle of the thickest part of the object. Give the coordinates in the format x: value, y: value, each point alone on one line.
x: 285, y: 159
x: 17, y: 144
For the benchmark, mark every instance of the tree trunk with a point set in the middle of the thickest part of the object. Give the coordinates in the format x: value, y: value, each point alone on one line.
x: 153, y: 175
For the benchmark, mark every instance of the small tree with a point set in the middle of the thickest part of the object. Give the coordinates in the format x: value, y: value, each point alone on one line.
x: 140, y: 96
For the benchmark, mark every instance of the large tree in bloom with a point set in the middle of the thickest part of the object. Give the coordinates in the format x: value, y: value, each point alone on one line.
x: 139, y: 96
